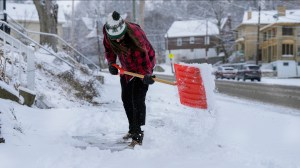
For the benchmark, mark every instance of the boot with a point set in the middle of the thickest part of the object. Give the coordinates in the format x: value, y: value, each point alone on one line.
x: 137, y: 139
x: 2, y: 140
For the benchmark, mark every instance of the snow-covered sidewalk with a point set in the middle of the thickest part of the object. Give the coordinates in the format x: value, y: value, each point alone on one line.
x: 238, y: 133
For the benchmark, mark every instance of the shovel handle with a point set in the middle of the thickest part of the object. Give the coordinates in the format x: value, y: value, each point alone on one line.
x: 122, y: 71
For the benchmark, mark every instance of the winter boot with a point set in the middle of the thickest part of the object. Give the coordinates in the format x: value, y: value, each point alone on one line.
x: 2, y: 140
x: 137, y: 139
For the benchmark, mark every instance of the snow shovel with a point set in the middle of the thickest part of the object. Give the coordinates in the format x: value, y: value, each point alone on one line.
x: 189, y: 83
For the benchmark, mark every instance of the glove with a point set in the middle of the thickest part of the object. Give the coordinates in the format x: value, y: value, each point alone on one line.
x: 148, y: 79
x: 112, y: 70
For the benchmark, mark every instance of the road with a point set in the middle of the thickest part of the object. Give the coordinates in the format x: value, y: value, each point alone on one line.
x: 283, y: 95
x: 276, y: 94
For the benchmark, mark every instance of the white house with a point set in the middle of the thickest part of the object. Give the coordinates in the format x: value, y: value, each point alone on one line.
x: 189, y: 40
x: 27, y: 16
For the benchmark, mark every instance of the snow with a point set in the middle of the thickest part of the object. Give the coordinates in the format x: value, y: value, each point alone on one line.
x: 8, y: 88
x: 236, y: 133
x: 192, y: 28
x: 268, y: 17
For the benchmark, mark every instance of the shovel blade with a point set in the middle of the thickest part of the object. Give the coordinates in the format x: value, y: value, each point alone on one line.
x: 190, y: 86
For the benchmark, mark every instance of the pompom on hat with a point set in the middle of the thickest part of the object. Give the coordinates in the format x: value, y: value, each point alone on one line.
x: 115, y: 25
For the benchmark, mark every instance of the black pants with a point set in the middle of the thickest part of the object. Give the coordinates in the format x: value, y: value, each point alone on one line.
x: 133, y: 97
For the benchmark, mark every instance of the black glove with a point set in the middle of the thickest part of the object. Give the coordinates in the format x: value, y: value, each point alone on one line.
x: 148, y: 79
x: 112, y: 70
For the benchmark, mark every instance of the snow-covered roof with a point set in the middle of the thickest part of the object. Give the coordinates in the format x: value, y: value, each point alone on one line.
x: 192, y: 28
x: 268, y: 17
x: 28, y: 12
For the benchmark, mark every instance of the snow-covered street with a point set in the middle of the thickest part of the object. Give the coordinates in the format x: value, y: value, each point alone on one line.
x: 237, y: 133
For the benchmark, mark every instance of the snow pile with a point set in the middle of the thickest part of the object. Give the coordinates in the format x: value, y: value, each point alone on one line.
x: 209, y: 84
x: 55, y: 80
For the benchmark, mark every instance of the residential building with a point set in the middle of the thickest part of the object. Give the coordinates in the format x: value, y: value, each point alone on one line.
x: 194, y: 40
x: 279, y: 39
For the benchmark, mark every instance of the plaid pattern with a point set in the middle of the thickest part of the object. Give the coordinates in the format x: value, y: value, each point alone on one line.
x: 134, y: 60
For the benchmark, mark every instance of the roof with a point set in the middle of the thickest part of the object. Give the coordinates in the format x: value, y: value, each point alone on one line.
x: 28, y: 12
x: 193, y: 28
x: 268, y: 17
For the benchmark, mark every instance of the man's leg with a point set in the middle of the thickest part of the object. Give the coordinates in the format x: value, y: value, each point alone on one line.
x: 127, y: 101
x: 139, y: 90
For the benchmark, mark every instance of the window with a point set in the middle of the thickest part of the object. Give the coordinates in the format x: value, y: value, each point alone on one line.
x: 269, y: 34
x: 192, y: 40
x: 265, y: 36
x: 285, y: 64
x: 287, y: 31
x: 299, y: 51
x: 179, y: 41
x: 206, y: 40
x: 298, y: 32
x: 287, y: 49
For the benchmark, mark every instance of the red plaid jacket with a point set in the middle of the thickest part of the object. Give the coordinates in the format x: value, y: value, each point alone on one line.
x: 134, y: 60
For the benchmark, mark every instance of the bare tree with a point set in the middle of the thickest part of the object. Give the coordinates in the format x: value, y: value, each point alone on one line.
x: 142, y: 11
x: 47, y: 11
x: 219, y: 12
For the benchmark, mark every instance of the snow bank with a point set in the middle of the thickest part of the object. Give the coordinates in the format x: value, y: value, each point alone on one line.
x: 206, y: 71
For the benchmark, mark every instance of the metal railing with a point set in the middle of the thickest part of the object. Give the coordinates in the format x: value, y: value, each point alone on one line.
x: 79, y: 57
x: 22, y: 35
x: 73, y: 50
x: 11, y: 46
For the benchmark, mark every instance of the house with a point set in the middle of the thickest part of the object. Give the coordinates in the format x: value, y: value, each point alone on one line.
x: 279, y: 39
x: 25, y: 15
x: 194, y: 40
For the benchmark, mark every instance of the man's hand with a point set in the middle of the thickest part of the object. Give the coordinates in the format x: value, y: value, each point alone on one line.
x: 148, y: 79
x: 112, y: 70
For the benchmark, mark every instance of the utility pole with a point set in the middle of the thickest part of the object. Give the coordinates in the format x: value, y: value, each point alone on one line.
x: 4, y: 11
x: 72, y: 25
x: 206, y: 41
x: 141, y: 15
x: 257, y: 42
x: 133, y: 11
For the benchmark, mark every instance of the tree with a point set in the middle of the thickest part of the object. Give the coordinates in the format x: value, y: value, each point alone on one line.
x: 142, y: 11
x: 47, y: 11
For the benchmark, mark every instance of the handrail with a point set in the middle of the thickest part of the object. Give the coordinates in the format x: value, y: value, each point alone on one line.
x: 17, y: 46
x: 36, y: 43
x: 58, y: 37
x: 21, y: 28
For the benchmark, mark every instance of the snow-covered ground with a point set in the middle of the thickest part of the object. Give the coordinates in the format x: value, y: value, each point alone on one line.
x: 237, y: 133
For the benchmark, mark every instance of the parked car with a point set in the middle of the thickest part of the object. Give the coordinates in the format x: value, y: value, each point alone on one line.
x: 225, y: 72
x: 249, y: 71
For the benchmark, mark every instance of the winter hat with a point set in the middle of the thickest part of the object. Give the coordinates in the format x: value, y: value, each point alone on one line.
x: 115, y: 25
